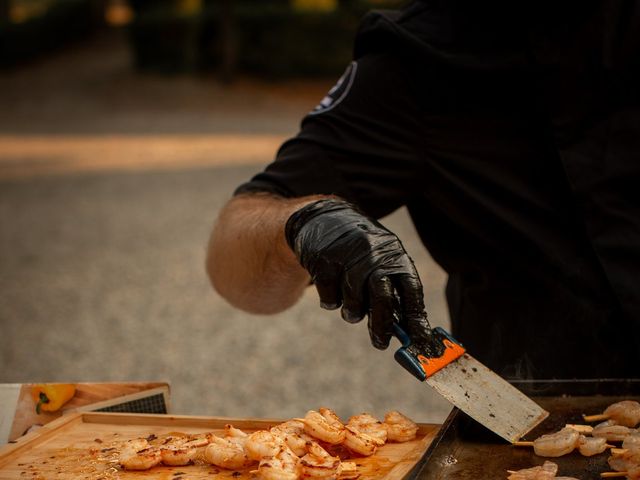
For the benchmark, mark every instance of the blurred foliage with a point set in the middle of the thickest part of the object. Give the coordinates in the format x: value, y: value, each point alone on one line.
x: 315, y: 5
x: 20, y: 11
x: 275, y: 38
x: 272, y: 38
x: 32, y: 27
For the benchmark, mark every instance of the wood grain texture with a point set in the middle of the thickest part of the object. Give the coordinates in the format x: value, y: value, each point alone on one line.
x: 85, y: 446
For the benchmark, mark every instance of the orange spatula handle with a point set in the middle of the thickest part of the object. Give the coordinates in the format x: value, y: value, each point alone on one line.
x: 424, y: 364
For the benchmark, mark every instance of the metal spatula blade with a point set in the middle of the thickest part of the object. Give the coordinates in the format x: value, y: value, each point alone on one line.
x: 487, y: 398
x: 472, y: 387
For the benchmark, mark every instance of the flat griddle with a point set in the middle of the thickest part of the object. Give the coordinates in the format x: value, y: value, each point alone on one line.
x: 465, y: 450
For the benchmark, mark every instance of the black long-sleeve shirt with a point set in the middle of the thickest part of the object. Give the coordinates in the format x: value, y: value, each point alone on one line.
x: 511, y: 131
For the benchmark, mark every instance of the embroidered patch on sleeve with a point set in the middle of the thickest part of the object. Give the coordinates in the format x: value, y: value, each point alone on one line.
x: 338, y: 92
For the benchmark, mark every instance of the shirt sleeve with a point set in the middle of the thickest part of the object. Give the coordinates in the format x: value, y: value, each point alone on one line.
x: 359, y: 143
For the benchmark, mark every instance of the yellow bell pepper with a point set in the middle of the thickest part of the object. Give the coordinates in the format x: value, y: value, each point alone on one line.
x: 50, y: 397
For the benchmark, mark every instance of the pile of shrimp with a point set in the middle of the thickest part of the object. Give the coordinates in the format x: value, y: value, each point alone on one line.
x: 546, y: 471
x: 620, y: 424
x: 566, y: 441
x: 627, y: 458
x: 298, y: 448
x: 620, y: 420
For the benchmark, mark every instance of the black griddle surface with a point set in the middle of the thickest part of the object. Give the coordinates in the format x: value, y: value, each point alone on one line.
x: 465, y: 450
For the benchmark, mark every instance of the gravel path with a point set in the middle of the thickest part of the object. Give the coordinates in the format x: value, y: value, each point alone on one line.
x: 101, y: 268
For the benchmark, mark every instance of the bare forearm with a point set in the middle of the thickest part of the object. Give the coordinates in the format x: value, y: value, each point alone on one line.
x: 248, y: 261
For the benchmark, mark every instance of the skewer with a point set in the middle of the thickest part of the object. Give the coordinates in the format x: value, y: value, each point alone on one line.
x: 522, y: 443
x: 614, y: 450
x: 613, y: 474
x: 583, y: 429
x: 596, y: 418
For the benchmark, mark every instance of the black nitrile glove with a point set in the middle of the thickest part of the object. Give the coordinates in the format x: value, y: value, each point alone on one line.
x: 357, y: 263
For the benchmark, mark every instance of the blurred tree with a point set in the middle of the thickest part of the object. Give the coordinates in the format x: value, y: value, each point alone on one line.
x: 262, y: 3
x: 141, y: 6
x: 315, y: 5
x: 189, y: 7
x: 4, y: 11
x: 228, y: 41
x: 275, y: 38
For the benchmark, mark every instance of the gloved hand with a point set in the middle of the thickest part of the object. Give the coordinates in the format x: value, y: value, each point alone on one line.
x: 357, y: 263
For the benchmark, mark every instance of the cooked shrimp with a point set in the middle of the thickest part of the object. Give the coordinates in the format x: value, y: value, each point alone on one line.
x: 290, y: 426
x: 633, y: 473
x: 178, y: 455
x: 234, y: 434
x: 547, y: 471
x: 284, y: 465
x: 399, y: 428
x: 183, y: 450
x: 261, y: 444
x: 632, y: 441
x: 199, y: 440
x: 556, y: 444
x: 226, y: 453
x: 139, y: 455
x: 590, y: 446
x: 358, y: 442
x: 324, y: 425
x: 606, y: 423
x: 318, y: 463
x: 292, y: 433
x: 625, y: 461
x: 370, y: 425
x: 348, y: 471
x: 611, y: 431
x: 625, y: 413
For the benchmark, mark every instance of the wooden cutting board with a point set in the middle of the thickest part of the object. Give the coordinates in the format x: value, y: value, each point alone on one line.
x: 84, y: 446
x: 86, y: 394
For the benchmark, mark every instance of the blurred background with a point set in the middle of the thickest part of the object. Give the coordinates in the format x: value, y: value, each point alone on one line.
x: 124, y: 127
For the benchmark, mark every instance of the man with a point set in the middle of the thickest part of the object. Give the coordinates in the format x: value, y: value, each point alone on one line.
x: 511, y: 132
